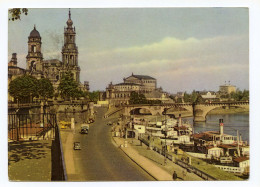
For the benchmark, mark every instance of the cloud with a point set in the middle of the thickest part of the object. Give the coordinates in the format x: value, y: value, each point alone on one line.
x: 191, y: 57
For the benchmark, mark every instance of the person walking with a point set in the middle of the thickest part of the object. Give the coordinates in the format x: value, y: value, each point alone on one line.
x: 174, y: 176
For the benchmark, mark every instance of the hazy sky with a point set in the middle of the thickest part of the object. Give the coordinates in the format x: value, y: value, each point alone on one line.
x: 185, y: 49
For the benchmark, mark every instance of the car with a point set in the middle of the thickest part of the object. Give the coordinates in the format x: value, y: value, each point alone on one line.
x: 84, y: 128
x: 77, y: 146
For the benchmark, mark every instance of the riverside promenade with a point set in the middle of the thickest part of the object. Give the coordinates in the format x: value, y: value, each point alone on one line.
x: 152, y: 162
x: 29, y: 161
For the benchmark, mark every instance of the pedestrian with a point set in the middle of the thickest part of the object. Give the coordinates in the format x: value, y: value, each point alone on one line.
x: 174, y: 176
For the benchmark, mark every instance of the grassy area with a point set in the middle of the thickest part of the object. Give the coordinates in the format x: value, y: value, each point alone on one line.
x: 212, y: 170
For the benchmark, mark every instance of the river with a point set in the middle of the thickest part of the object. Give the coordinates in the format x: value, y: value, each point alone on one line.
x: 232, y: 123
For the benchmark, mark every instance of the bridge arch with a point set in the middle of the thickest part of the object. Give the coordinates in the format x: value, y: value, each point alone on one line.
x: 201, y: 111
x: 140, y: 111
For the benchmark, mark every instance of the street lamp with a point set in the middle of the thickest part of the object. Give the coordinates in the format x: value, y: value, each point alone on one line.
x: 165, y: 133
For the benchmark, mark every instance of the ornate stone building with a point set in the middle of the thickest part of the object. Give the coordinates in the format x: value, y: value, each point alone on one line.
x: 147, y: 83
x: 52, y: 69
x: 119, y: 94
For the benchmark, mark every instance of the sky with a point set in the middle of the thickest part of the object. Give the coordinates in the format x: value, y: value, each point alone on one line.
x: 185, y: 49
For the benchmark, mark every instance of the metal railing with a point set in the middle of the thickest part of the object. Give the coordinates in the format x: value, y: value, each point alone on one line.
x: 31, y: 126
x: 185, y: 165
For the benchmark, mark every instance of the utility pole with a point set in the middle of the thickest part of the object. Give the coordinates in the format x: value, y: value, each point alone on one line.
x: 238, y: 150
x: 165, y: 130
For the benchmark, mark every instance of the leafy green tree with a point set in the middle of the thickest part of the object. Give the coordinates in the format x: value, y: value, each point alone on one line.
x: 45, y: 88
x: 194, y: 96
x: 199, y: 99
x: 68, y: 87
x: 24, y: 88
x: 186, y: 97
x: 179, y: 100
x: 15, y: 13
x: 136, y: 98
x: 245, y: 95
x: 240, y: 96
x: 93, y: 96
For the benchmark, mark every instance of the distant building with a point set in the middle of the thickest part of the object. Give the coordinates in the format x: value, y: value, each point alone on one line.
x: 209, y: 96
x: 119, y: 94
x: 14, y: 71
x: 226, y: 89
x: 147, y: 83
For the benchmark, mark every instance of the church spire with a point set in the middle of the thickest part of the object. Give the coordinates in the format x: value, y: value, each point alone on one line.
x: 69, y: 14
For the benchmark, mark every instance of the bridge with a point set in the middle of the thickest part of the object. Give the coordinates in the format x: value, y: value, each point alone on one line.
x: 199, y: 111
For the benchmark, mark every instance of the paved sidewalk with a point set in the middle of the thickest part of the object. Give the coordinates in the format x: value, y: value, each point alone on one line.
x: 29, y: 160
x: 67, y: 142
x: 152, y: 162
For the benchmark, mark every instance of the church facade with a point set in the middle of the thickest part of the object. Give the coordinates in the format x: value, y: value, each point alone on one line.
x: 52, y: 69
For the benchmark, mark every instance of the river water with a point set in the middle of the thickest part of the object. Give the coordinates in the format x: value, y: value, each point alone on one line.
x: 232, y: 123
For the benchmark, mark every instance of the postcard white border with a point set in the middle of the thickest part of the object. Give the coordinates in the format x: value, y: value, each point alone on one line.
x: 254, y: 35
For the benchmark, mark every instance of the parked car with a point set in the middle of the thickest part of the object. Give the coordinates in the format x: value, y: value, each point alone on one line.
x: 77, y: 146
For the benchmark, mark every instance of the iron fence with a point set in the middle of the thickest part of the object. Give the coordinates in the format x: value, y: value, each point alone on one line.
x: 31, y: 126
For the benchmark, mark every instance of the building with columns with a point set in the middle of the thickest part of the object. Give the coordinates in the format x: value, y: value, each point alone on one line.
x: 53, y: 69
x: 119, y: 94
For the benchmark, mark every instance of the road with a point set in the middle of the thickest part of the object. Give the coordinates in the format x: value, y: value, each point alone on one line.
x: 99, y: 159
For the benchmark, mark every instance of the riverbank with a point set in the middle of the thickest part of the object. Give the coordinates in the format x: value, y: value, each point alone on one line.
x: 229, y: 111
x: 185, y: 114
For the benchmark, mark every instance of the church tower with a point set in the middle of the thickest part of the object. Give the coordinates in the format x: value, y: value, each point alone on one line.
x: 34, y: 56
x: 70, y: 50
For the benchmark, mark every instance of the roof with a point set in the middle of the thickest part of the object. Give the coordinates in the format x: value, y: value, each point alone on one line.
x: 241, y: 159
x: 212, y: 146
x: 52, y: 61
x: 142, y: 77
x: 200, y: 135
x: 15, y: 67
x: 181, y: 128
x: 34, y: 33
x: 129, y: 84
x: 228, y: 146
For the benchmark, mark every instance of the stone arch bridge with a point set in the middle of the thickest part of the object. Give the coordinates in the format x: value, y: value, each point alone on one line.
x: 199, y: 111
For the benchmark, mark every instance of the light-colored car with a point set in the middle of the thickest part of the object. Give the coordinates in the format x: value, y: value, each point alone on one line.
x: 77, y: 146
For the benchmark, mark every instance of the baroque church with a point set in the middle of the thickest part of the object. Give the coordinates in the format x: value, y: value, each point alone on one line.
x: 52, y: 69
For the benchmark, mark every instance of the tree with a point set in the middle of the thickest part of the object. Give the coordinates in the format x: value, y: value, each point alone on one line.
x: 68, y: 87
x: 194, y: 96
x: 45, y: 88
x: 186, y: 97
x: 240, y: 96
x: 24, y: 88
x: 93, y: 96
x: 136, y: 98
x: 15, y: 13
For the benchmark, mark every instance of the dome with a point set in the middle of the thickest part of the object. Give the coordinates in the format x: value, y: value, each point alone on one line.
x: 69, y: 22
x: 34, y: 33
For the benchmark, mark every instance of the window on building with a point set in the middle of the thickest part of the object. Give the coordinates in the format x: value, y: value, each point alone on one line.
x: 33, y: 48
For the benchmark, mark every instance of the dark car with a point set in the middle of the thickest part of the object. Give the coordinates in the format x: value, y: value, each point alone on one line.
x: 77, y: 146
